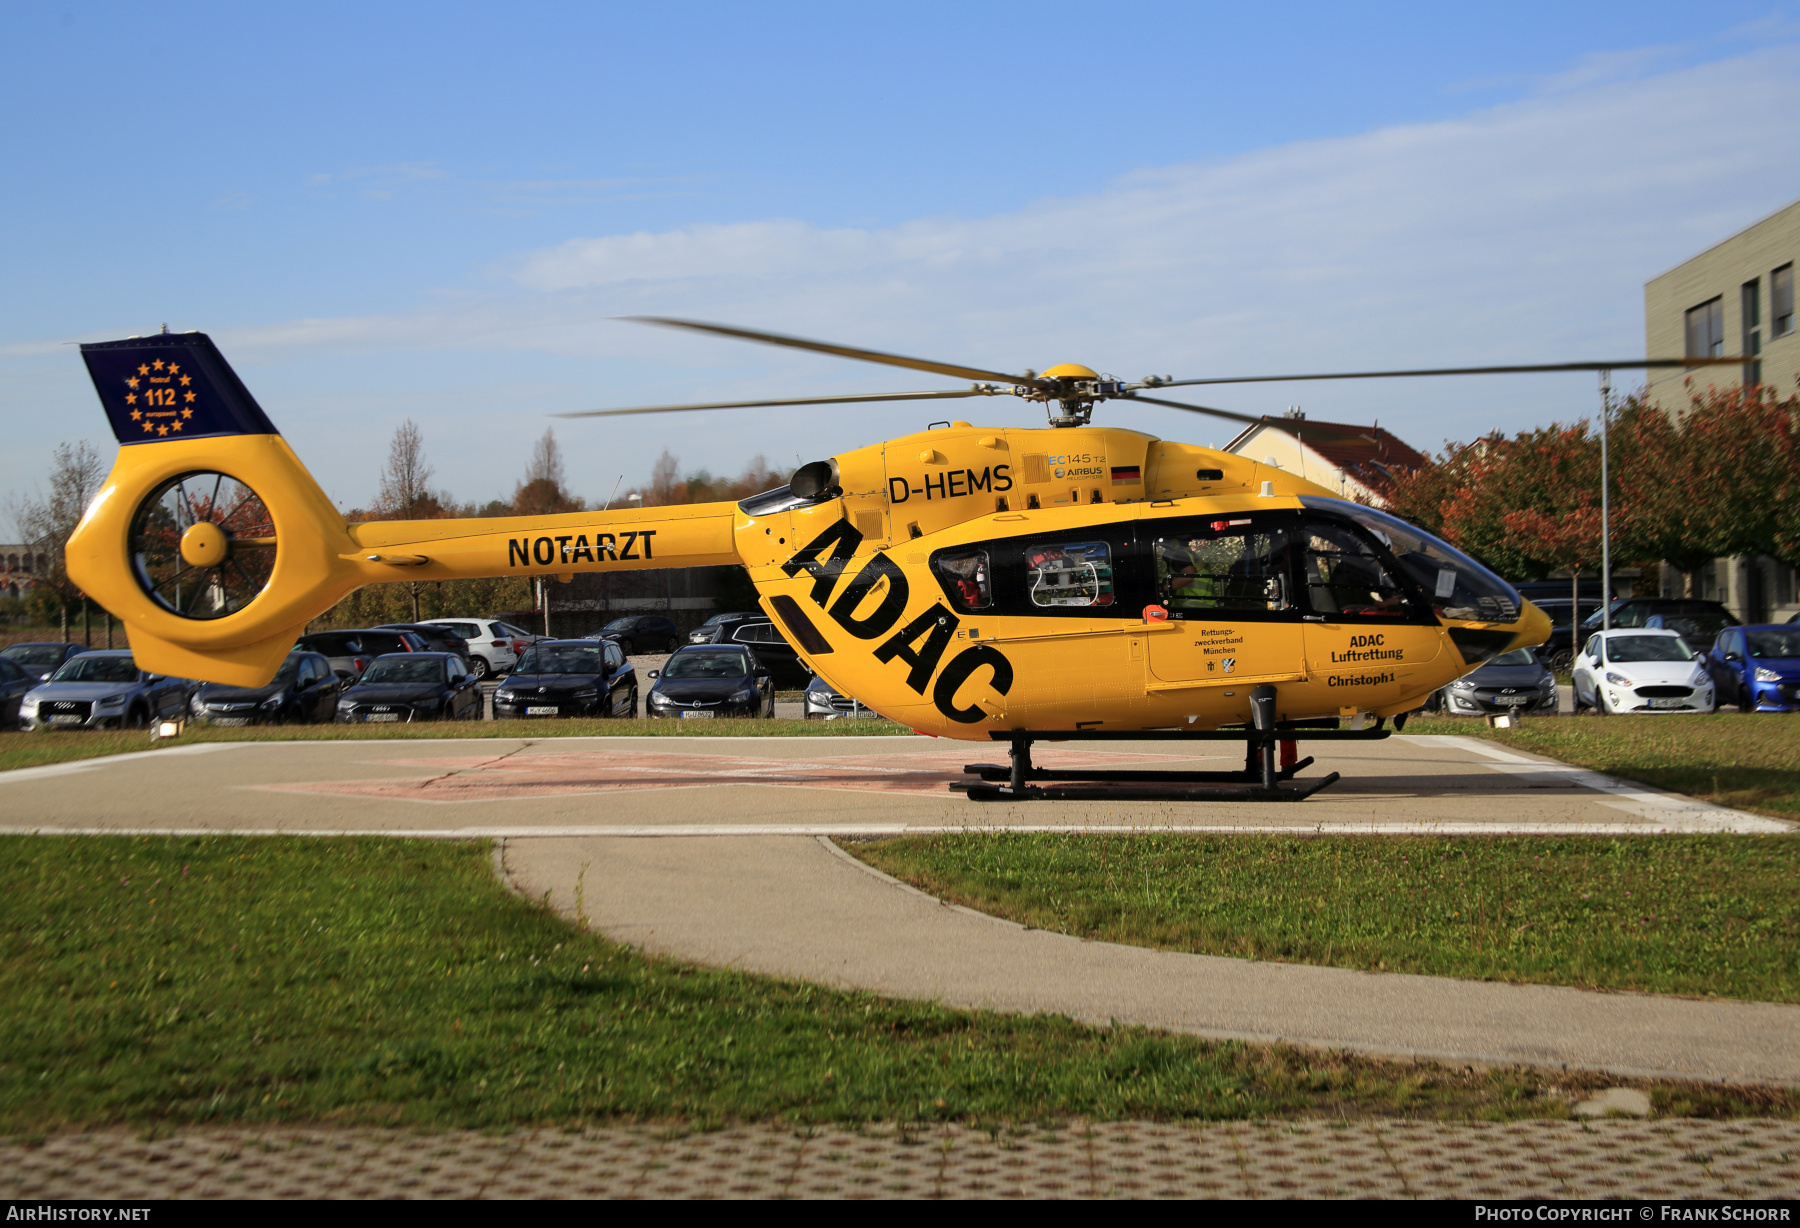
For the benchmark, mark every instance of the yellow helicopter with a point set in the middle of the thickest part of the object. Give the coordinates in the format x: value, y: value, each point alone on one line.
x: 998, y: 584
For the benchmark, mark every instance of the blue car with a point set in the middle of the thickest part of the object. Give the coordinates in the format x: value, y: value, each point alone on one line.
x: 1757, y: 668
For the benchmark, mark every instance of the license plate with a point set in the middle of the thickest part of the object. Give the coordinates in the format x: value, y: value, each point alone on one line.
x: 542, y: 711
x: 384, y: 716
x: 76, y: 720
x: 704, y: 716
x: 231, y: 720
x: 1668, y: 703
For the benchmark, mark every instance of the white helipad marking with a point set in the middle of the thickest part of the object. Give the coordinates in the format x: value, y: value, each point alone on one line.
x: 1680, y: 812
x: 75, y: 766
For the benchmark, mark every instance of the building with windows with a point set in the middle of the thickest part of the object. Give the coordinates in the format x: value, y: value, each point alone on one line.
x: 1352, y: 460
x: 1736, y: 297
x: 21, y: 567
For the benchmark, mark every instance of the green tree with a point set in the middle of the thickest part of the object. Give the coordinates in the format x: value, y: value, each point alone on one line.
x: 46, y: 521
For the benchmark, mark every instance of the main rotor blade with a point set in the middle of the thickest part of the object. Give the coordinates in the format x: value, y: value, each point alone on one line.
x: 1627, y: 364
x: 1198, y: 409
x: 848, y: 400
x: 842, y: 351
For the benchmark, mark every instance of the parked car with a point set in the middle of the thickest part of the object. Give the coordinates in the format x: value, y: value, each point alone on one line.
x: 1758, y: 667
x: 703, y: 633
x: 437, y: 638
x: 822, y: 703
x: 1630, y: 612
x: 14, y: 683
x: 1642, y: 670
x: 1558, y: 652
x: 103, y: 689
x: 569, y: 678
x: 412, y: 686
x: 304, y: 691
x: 1516, y: 681
x: 706, y: 680
x: 41, y: 660
x: 350, y: 652
x: 641, y: 633
x: 759, y: 633
x: 1698, y: 630
x: 493, y: 646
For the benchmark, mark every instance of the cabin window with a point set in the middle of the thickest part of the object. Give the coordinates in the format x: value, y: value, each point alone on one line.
x: 1223, y: 565
x: 1069, y: 574
x: 966, y: 576
x: 1344, y: 576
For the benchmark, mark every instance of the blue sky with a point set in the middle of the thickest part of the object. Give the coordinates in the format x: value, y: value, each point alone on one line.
x: 385, y: 210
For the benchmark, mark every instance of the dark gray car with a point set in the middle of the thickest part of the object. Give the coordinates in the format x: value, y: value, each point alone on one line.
x: 303, y: 691
x: 14, y: 683
x: 1516, y: 681
x: 351, y: 652
x: 103, y: 690
x: 41, y: 660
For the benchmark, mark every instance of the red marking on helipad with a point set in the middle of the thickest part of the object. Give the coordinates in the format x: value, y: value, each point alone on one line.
x: 562, y: 773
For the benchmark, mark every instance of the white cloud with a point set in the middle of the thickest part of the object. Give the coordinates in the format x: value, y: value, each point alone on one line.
x: 1518, y: 233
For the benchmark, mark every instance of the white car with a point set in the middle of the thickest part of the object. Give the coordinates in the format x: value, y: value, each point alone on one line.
x: 1642, y: 670
x: 494, y: 646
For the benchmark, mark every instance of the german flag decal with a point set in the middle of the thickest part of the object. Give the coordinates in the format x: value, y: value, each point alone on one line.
x: 1125, y: 474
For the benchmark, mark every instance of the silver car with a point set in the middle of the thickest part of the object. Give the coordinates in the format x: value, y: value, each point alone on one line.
x: 822, y: 703
x: 103, y: 690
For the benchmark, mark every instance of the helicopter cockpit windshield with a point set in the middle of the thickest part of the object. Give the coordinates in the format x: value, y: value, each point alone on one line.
x: 1458, y: 586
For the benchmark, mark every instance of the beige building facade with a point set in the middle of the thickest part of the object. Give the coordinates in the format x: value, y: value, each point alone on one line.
x: 1736, y: 297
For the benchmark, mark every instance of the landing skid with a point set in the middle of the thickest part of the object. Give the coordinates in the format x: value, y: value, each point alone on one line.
x: 1261, y: 780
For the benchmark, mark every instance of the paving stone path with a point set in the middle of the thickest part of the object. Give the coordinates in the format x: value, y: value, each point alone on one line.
x: 1673, y: 1159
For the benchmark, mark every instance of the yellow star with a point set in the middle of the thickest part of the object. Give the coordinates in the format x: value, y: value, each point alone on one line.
x: 187, y: 413
x: 157, y: 364
x: 162, y: 430
x: 132, y: 382
x: 185, y: 380
x: 137, y: 415
x: 174, y: 370
x: 190, y: 397
x: 146, y: 428
x: 131, y: 398
x: 143, y: 370
x: 175, y: 426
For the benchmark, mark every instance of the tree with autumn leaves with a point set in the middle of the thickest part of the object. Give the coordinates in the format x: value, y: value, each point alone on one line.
x: 1720, y: 478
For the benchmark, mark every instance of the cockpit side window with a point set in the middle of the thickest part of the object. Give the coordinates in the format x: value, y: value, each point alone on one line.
x: 1456, y: 585
x: 1346, y: 578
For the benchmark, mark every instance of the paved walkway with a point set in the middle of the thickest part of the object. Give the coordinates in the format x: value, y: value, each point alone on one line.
x: 1382, y: 1159
x: 799, y: 907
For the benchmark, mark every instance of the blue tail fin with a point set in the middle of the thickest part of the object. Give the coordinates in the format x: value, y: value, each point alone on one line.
x: 171, y: 386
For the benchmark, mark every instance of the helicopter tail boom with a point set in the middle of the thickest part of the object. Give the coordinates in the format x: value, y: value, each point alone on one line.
x: 215, y: 546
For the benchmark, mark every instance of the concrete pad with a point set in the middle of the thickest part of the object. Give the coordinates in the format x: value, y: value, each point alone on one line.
x: 803, y: 908
x: 750, y: 786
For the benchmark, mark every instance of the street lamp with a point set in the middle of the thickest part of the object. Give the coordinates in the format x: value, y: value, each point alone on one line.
x: 1605, y: 506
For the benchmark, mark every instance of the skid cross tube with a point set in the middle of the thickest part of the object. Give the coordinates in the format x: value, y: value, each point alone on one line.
x: 1262, y: 779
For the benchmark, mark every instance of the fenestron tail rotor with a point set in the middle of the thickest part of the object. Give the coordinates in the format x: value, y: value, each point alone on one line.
x: 1071, y: 391
x: 203, y: 545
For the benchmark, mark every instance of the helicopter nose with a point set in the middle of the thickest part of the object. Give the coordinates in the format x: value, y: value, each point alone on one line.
x: 1532, y: 629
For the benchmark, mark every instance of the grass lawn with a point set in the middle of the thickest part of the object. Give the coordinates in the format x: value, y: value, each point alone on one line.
x: 1702, y: 915
x: 1743, y: 760
x: 184, y: 980
x: 19, y: 750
